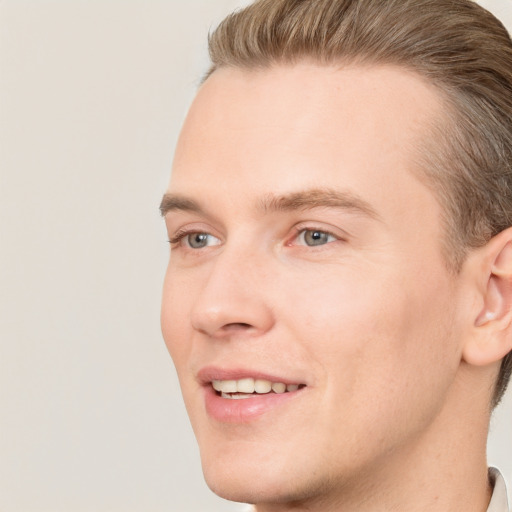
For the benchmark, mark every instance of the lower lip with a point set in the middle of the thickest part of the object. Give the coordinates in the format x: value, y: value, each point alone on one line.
x: 243, y: 410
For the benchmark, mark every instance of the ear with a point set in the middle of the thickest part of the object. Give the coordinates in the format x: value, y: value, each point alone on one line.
x: 491, y: 337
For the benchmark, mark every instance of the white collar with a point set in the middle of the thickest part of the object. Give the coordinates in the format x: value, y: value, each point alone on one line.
x: 499, y: 501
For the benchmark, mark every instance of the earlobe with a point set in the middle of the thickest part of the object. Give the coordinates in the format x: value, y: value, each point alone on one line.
x: 491, y: 337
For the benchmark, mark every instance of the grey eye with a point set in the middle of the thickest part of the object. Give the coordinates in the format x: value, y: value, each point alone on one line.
x: 200, y: 240
x: 313, y: 237
x: 197, y: 240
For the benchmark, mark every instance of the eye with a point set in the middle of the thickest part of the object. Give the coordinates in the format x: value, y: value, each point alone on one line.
x: 200, y: 240
x: 195, y: 240
x: 315, y: 237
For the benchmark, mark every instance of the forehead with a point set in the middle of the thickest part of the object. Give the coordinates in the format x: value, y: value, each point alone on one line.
x: 305, y: 126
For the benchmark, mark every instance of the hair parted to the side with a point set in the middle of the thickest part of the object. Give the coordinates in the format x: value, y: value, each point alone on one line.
x: 455, y: 45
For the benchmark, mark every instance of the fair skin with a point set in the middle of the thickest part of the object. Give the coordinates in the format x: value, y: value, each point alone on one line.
x: 306, y: 251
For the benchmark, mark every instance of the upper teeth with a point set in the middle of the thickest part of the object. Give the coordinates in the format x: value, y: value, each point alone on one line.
x: 249, y: 385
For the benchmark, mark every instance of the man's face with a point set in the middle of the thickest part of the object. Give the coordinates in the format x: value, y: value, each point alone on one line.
x: 305, y: 251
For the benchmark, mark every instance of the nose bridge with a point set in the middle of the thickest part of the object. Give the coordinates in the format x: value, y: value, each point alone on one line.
x: 235, y: 293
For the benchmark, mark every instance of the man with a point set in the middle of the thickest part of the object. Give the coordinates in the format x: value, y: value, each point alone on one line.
x: 338, y: 301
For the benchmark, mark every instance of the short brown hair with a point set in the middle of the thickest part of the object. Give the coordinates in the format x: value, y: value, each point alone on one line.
x: 455, y: 44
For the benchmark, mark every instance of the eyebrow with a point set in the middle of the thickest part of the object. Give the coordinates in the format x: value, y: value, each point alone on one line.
x: 294, y: 201
x: 174, y: 202
x: 317, y: 198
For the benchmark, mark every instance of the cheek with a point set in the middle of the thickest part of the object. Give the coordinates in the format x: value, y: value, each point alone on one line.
x: 377, y: 338
x: 383, y: 352
x: 175, y: 317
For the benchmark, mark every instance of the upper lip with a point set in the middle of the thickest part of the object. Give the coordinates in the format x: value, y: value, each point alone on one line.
x: 207, y: 374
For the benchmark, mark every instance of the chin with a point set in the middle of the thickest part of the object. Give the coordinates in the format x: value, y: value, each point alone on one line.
x: 245, y: 489
x: 255, y: 476
x: 258, y: 488
x: 236, y: 474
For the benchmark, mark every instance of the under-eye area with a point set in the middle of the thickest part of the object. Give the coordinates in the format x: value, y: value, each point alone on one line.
x: 249, y: 387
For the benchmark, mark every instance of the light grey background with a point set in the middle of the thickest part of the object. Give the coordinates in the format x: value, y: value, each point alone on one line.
x: 92, y: 95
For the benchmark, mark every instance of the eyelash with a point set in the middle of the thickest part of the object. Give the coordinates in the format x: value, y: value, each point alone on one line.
x: 183, y: 233
x: 180, y: 235
x: 302, y: 229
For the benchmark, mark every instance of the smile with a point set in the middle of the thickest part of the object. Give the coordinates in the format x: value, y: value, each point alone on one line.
x: 236, y: 396
x: 249, y: 388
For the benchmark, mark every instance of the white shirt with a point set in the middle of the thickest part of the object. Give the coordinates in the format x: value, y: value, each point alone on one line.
x: 499, y: 502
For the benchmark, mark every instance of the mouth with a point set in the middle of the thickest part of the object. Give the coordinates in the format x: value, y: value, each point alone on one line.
x: 248, y: 387
x: 243, y: 396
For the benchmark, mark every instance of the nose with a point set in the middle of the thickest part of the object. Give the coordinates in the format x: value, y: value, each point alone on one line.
x: 235, y: 298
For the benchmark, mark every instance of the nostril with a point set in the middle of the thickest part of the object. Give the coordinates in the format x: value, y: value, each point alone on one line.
x: 237, y: 326
x: 235, y: 329
x: 223, y: 308
x: 230, y: 329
